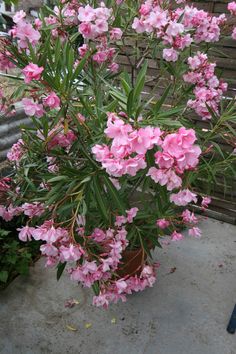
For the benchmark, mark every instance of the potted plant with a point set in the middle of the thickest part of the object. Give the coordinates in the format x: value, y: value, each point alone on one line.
x: 107, y: 169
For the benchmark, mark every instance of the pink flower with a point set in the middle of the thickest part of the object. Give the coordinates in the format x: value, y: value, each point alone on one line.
x: 162, y: 223
x: 163, y: 159
x: 174, y: 28
x: 32, y: 108
x: 19, y: 15
x: 183, y: 198
x: 98, y: 235
x: 170, y: 54
x: 121, y: 286
x: 70, y: 253
x: 195, y: 232
x: 32, y: 72
x: 33, y: 209
x: 117, y: 129
x: 26, y: 33
x: 49, y: 250
x: 175, y: 236
x: 52, y: 100
x: 205, y: 202
x: 120, y: 220
x: 38, y: 23
x: 83, y: 50
x: 189, y: 217
x: 115, y: 34
x: 86, y: 14
x: 131, y: 213
x: 25, y: 233
x: 232, y: 8
x: 113, y: 67
x: 16, y: 151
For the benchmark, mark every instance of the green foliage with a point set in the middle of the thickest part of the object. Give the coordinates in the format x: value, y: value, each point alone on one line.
x: 15, y: 256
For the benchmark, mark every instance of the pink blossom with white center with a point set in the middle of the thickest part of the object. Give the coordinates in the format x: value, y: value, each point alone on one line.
x: 183, y: 197
x: 70, y: 253
x: 33, y: 209
x: 176, y: 236
x: 49, y: 250
x: 170, y: 54
x: 32, y: 108
x: 138, y: 25
x: 25, y: 233
x: 52, y: 100
x: 174, y: 28
x: 162, y: 223
x: 19, y: 16
x: 195, y: 232
x: 26, y: 33
x: 86, y: 14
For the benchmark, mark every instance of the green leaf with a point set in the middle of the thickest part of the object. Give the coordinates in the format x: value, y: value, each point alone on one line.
x: 60, y: 269
x: 160, y: 102
x: 96, y: 288
x: 100, y: 198
x: 3, y: 276
x: 140, y: 81
x: 114, y: 195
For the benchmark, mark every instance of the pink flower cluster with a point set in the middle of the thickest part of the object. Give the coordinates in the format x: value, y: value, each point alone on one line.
x: 16, y: 151
x: 94, y: 25
x: 32, y: 72
x: 183, y: 197
x: 128, y: 148
x: 32, y: 108
x: 122, y: 287
x: 179, y: 153
x: 208, y: 89
x: 29, y: 209
x: 24, y: 32
x: 60, y: 247
x: 8, y: 213
x: 177, y: 28
x: 93, y: 22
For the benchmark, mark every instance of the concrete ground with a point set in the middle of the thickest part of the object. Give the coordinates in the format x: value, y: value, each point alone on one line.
x: 186, y: 312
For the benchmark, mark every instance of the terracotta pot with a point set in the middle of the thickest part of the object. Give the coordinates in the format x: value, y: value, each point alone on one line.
x: 132, y: 261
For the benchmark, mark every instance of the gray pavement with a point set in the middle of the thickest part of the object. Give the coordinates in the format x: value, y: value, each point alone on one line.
x: 186, y: 312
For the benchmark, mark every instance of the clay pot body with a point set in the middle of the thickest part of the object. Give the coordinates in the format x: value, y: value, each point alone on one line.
x: 132, y: 262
